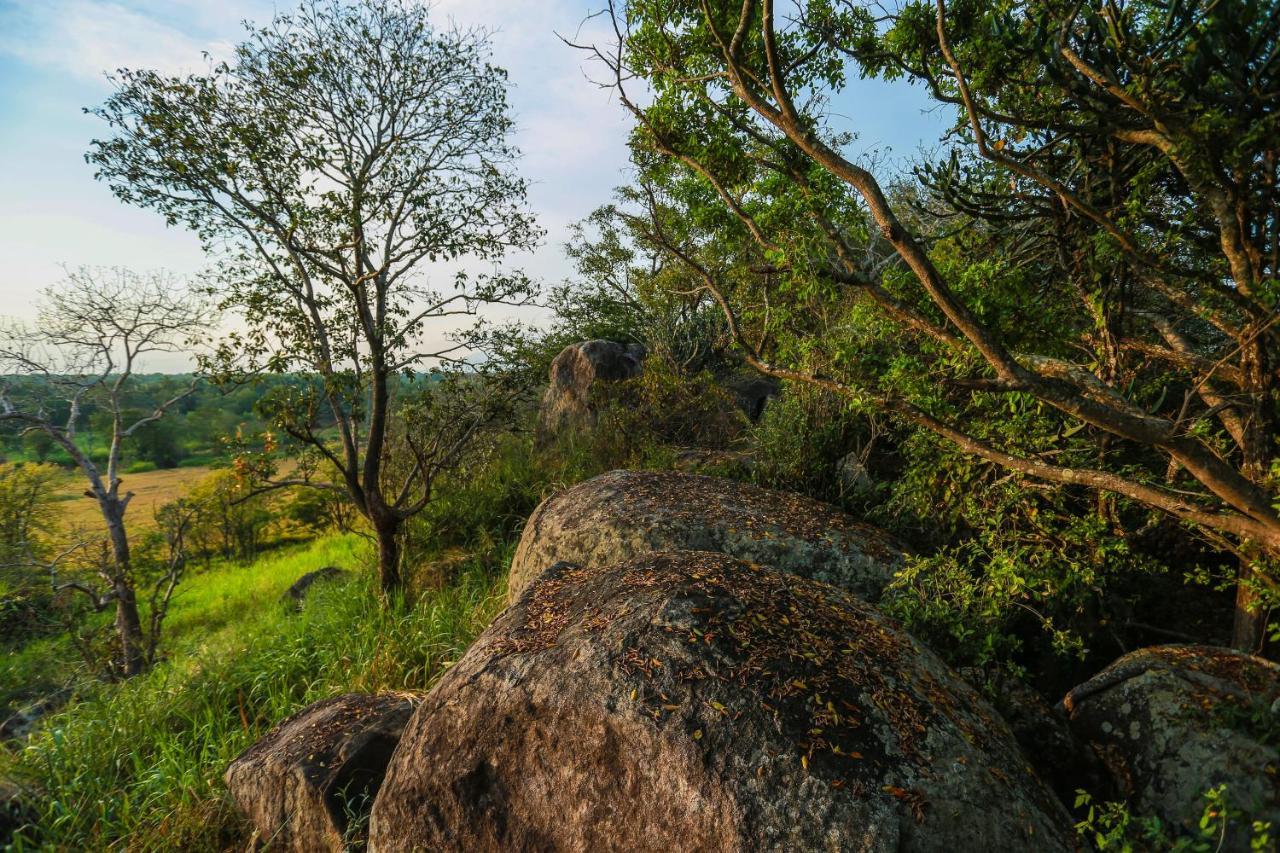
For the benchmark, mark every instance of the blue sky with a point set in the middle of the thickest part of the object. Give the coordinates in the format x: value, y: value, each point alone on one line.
x: 54, y: 55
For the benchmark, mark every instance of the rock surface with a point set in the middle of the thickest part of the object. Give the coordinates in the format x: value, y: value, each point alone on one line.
x: 300, y: 587
x: 690, y: 701
x: 623, y: 513
x: 22, y: 721
x: 1169, y: 722
x: 1063, y: 761
x: 567, y: 400
x: 752, y: 392
x: 300, y: 783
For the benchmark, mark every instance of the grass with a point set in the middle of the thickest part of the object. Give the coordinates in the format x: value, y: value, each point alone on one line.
x: 139, y: 765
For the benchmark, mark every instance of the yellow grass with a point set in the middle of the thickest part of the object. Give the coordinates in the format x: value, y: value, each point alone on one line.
x: 150, y: 488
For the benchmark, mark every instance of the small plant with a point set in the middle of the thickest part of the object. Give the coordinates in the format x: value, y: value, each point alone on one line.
x: 1111, y: 826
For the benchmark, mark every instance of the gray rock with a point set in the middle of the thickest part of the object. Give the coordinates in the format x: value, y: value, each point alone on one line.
x: 24, y: 719
x: 623, y: 513
x: 690, y: 701
x: 855, y: 480
x: 298, y: 592
x: 566, y: 404
x: 301, y: 784
x: 1170, y: 722
x: 752, y: 392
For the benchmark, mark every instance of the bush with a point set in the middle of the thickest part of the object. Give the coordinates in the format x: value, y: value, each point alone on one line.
x: 799, y: 442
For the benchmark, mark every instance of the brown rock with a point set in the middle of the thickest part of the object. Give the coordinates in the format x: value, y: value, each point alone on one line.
x: 690, y: 701
x: 1170, y: 722
x: 623, y: 513
x: 567, y: 400
x: 300, y: 783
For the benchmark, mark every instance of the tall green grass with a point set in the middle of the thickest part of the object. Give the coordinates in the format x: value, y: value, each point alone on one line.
x: 139, y: 765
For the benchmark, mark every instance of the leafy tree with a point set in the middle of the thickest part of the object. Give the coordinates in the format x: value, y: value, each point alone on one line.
x: 343, y: 151
x: 26, y: 518
x: 89, y: 335
x: 1101, y: 247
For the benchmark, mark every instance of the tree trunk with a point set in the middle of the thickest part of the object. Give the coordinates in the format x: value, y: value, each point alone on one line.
x: 128, y: 623
x: 389, y: 574
x: 1248, y: 633
x: 128, y: 630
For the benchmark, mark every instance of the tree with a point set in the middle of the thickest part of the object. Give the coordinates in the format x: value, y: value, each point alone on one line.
x: 342, y: 151
x: 26, y: 519
x: 1113, y: 182
x: 86, y: 343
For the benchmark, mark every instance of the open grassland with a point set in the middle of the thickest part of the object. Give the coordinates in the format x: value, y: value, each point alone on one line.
x: 139, y: 765
x: 151, y: 490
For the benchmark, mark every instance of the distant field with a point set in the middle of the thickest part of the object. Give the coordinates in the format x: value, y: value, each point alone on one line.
x: 150, y: 488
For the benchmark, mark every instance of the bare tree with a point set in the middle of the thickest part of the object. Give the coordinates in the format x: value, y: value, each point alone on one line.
x: 90, y: 335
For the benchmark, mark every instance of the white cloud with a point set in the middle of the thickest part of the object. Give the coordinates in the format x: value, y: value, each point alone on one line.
x: 85, y: 40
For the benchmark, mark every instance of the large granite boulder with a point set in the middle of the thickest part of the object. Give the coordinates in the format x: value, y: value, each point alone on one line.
x: 567, y: 400
x: 691, y: 701
x: 1170, y: 722
x: 301, y: 784
x: 623, y: 513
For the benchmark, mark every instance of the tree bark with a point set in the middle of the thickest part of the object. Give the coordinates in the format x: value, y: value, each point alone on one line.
x: 389, y: 575
x: 128, y: 622
x: 1248, y: 631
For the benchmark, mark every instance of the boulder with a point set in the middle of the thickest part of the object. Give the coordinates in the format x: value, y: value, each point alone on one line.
x: 1062, y: 760
x: 567, y: 400
x: 855, y: 480
x: 691, y: 701
x: 23, y: 720
x: 301, y: 784
x: 1170, y: 722
x: 623, y: 513
x: 298, y: 591
x: 752, y: 392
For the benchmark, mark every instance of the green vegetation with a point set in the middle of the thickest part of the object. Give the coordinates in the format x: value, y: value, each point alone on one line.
x: 141, y: 763
x: 1046, y: 361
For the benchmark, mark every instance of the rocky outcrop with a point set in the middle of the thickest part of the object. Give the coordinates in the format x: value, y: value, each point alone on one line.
x: 298, y: 592
x: 752, y: 392
x: 1170, y: 722
x: 623, y: 513
x: 567, y: 400
x: 691, y: 701
x: 301, y: 784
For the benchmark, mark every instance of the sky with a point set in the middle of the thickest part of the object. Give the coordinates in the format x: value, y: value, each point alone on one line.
x: 54, y: 60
